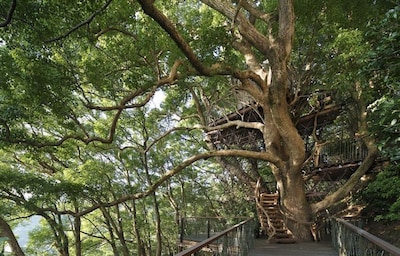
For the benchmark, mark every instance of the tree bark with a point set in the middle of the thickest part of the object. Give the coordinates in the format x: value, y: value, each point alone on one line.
x: 140, y: 247
x: 6, y: 231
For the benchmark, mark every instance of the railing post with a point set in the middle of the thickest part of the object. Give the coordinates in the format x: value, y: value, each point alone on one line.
x: 208, y: 228
x: 181, y: 230
x: 350, y: 240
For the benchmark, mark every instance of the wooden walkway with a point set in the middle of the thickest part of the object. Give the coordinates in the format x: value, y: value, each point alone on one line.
x: 261, y: 247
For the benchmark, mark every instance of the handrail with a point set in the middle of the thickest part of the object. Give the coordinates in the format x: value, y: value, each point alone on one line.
x: 199, y: 228
x: 208, y: 241
x: 341, y: 151
x: 393, y: 250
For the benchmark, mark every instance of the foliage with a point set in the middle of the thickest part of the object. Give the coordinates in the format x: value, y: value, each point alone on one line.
x: 83, y: 147
x: 2, y: 241
x: 383, y: 70
x: 383, y: 195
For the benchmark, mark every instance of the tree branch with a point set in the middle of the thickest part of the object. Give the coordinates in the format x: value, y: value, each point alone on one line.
x: 237, y: 123
x: 266, y: 17
x: 262, y: 43
x: 10, y: 13
x: 123, y: 104
x: 151, y: 189
x: 286, y: 27
x: 6, y: 231
x: 108, y: 29
x: 83, y: 23
x: 344, y: 190
x: 149, y: 8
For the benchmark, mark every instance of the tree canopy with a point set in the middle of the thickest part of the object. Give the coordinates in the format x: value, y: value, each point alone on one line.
x: 104, y: 107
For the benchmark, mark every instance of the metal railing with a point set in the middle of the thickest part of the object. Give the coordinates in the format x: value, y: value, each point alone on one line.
x: 350, y: 240
x: 342, y: 151
x: 234, y: 241
x: 201, y: 228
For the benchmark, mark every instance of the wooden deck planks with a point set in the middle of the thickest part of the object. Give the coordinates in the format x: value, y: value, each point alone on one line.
x: 261, y: 247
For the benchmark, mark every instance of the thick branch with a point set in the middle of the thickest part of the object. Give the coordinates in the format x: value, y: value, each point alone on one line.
x: 253, y: 64
x: 151, y: 189
x: 10, y: 13
x: 286, y: 27
x: 266, y: 17
x: 149, y: 8
x: 241, y: 153
x: 237, y: 123
x: 246, y: 29
x: 344, y: 190
x: 6, y: 231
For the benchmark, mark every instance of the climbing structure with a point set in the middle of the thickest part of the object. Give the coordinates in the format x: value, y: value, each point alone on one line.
x: 330, y: 163
x: 271, y: 219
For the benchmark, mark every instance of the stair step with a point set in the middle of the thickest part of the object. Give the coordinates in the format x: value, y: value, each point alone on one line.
x: 281, y: 230
x: 269, y: 203
x: 285, y: 241
x: 268, y: 195
x: 278, y: 227
x: 280, y: 236
x: 277, y: 221
x: 269, y: 207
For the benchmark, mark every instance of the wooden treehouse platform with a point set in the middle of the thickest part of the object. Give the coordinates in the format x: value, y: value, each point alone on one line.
x: 253, y: 113
x: 335, y: 161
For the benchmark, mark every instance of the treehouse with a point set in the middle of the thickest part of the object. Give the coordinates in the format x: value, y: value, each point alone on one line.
x: 330, y: 162
x: 252, y: 113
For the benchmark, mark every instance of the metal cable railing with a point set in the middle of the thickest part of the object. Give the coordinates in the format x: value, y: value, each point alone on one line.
x: 350, y: 240
x: 234, y: 241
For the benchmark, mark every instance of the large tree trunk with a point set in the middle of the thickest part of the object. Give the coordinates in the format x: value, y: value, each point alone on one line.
x: 269, y: 86
x: 290, y: 147
x: 294, y: 205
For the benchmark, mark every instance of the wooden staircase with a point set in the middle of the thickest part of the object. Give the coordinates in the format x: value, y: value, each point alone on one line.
x: 272, y: 220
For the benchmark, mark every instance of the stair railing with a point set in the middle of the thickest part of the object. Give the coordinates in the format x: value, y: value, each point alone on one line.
x: 234, y: 241
x: 350, y: 240
x: 270, y: 229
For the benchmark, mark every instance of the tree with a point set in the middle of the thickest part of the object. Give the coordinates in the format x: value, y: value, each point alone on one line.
x: 381, y: 195
x: 383, y: 71
x: 97, y: 68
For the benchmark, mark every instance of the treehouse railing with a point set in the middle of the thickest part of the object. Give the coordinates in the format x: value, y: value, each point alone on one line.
x: 200, y: 228
x: 235, y: 240
x: 341, y: 151
x: 350, y: 240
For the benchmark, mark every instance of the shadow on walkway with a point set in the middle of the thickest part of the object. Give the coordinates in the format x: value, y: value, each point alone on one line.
x: 261, y: 247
